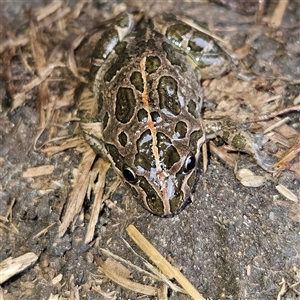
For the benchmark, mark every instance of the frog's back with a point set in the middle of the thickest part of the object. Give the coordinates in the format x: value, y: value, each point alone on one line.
x: 144, y: 74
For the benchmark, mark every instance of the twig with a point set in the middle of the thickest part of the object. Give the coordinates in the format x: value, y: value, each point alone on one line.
x: 274, y: 114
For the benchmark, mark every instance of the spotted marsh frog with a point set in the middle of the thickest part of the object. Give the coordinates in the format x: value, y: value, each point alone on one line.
x: 145, y: 84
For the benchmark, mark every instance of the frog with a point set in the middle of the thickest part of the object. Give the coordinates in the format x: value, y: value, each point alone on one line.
x: 145, y: 84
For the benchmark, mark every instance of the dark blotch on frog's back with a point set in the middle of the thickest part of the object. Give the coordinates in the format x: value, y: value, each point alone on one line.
x: 125, y: 104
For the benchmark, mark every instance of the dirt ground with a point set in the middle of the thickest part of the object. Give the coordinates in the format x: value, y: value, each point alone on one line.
x: 232, y: 242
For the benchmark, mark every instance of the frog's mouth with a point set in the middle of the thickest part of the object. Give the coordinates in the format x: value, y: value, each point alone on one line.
x: 167, y: 194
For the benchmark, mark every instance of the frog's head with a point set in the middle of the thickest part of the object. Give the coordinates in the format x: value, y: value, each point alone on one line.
x: 156, y: 153
x: 162, y: 170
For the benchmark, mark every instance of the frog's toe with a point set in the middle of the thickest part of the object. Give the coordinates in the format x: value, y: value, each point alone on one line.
x: 264, y: 148
x: 266, y: 162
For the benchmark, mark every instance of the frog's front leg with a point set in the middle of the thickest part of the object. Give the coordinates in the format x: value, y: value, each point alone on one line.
x: 201, y: 50
x: 111, y: 37
x: 110, y: 41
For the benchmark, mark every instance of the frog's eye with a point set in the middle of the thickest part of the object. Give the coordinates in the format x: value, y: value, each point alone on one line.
x: 129, y: 175
x: 190, y: 163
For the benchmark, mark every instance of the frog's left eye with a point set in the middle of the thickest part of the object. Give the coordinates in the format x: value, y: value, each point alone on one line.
x: 190, y: 163
x: 129, y: 175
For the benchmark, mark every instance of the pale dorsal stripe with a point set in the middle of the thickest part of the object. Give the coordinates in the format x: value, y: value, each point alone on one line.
x: 159, y: 172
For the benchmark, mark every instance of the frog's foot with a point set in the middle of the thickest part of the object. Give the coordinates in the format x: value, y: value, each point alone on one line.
x: 263, y: 149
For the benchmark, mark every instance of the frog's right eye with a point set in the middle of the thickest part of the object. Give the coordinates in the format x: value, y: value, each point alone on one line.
x: 129, y: 175
x: 190, y: 163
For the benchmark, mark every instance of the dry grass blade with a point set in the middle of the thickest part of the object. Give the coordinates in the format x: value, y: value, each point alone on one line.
x: 153, y: 254
x: 274, y: 114
x: 205, y: 157
x: 164, y: 279
x: 230, y: 158
x: 74, y: 289
x: 129, y: 263
x: 283, y: 289
x: 106, y: 198
x: 156, y: 274
x: 162, y: 263
x: 12, y: 266
x: 43, y: 231
x: 9, y: 210
x: 60, y: 15
x: 19, y: 98
x: 47, y: 10
x: 76, y: 142
x: 8, y: 225
x: 276, y: 125
x: 71, y: 57
x: 40, y: 63
x: 38, y: 171
x: 78, y: 8
x: 79, y: 191
x: 7, y: 74
x: 163, y: 292
x: 113, y: 269
x: 278, y: 13
x: 292, y: 157
x: 19, y: 41
x: 102, y: 165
